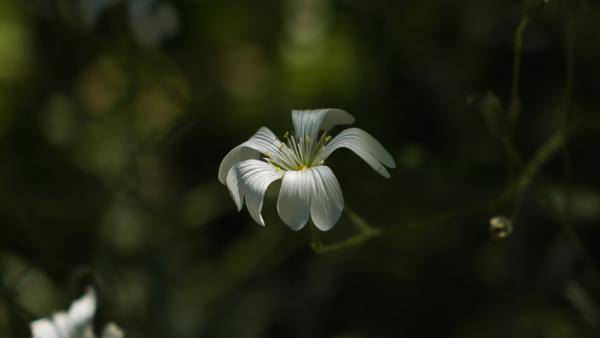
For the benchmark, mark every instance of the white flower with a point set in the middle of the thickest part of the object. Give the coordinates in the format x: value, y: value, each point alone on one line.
x: 76, y: 323
x: 308, y: 186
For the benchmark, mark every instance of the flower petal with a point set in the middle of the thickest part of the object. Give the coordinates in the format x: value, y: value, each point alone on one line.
x: 365, y: 146
x: 327, y: 201
x: 293, y: 203
x: 82, y: 311
x: 309, y: 122
x: 62, y: 324
x: 235, y: 155
x: 112, y: 331
x: 262, y: 142
x: 249, y: 180
x: 44, y: 328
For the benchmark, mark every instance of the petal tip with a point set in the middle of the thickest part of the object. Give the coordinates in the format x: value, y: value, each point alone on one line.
x: 296, y: 228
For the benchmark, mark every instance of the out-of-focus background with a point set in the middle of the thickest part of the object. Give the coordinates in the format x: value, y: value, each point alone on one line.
x: 114, y: 116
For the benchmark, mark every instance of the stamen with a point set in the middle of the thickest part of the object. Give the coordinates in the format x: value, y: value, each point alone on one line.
x: 318, y: 148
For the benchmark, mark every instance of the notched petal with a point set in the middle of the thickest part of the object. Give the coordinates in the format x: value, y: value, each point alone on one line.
x: 365, y: 146
x: 293, y: 203
x: 327, y: 202
x: 82, y: 310
x: 235, y: 155
x: 249, y: 180
x: 262, y: 142
x: 309, y: 122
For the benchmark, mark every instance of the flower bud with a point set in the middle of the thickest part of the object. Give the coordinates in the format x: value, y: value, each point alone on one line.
x: 500, y: 227
x: 494, y: 114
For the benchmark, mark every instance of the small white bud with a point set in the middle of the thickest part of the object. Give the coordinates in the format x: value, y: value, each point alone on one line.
x: 500, y: 227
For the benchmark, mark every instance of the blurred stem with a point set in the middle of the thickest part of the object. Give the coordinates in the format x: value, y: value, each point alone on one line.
x: 565, y: 123
x: 361, y: 224
x: 350, y: 242
x: 515, y: 99
x: 513, y: 154
x: 551, y: 146
x: 531, y: 170
x: 366, y: 231
x: 565, y: 117
x: 514, y: 108
x: 316, y: 238
x: 516, y: 190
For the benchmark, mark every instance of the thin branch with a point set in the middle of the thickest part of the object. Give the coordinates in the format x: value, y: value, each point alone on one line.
x: 565, y: 115
x: 350, y: 242
x: 516, y: 190
x: 316, y: 238
x: 515, y: 105
x: 515, y: 99
x: 565, y: 123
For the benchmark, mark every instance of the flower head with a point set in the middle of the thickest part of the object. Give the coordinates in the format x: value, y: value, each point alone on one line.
x: 75, y: 323
x: 309, y: 187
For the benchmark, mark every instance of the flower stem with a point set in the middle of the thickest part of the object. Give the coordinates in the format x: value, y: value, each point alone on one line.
x: 565, y: 124
x: 515, y: 99
x: 361, y: 224
x: 316, y: 238
x: 565, y: 114
x: 366, y: 231
x: 517, y: 191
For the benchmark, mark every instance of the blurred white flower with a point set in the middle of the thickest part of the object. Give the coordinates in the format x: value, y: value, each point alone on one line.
x: 92, y: 9
x: 309, y: 188
x: 75, y: 323
x: 151, y: 21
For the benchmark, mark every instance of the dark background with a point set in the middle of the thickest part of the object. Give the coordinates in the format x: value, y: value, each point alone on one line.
x: 115, y: 115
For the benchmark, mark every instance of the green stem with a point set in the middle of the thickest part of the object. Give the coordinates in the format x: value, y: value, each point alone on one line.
x: 366, y: 231
x: 316, y: 238
x: 549, y: 148
x: 514, y: 109
x: 531, y: 170
x: 517, y: 190
x: 512, y: 153
x: 565, y: 117
x: 565, y: 123
x: 361, y: 224
x: 350, y: 242
x: 515, y: 99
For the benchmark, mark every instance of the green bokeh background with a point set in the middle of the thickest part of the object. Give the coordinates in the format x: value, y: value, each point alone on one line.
x: 112, y: 127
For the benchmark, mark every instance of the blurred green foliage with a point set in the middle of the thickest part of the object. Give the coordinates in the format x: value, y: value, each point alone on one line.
x: 114, y: 116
